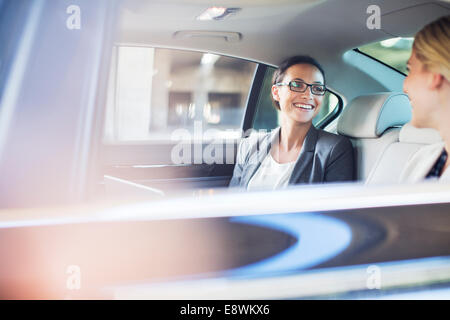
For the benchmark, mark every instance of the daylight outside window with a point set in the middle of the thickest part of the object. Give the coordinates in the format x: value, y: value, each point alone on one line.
x: 153, y: 92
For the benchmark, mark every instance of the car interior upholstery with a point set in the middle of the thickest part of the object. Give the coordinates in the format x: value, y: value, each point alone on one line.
x: 390, y: 163
x: 372, y: 123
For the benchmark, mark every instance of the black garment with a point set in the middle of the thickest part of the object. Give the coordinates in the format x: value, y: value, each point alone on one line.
x: 436, y: 170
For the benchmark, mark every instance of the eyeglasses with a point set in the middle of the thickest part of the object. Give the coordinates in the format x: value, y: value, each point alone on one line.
x: 301, y: 86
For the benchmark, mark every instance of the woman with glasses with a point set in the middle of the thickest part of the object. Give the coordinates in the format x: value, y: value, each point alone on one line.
x: 428, y: 88
x: 296, y: 152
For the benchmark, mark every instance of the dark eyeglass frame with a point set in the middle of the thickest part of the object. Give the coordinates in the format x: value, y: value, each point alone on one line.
x: 297, y: 89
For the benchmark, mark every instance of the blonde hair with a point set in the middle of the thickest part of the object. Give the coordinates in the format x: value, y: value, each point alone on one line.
x: 432, y: 46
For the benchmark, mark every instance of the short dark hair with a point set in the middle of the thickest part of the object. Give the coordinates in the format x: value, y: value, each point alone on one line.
x: 289, y: 62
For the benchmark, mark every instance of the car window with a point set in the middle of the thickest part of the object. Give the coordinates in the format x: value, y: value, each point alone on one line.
x: 11, y: 18
x: 153, y: 92
x: 267, y: 117
x: 394, y: 52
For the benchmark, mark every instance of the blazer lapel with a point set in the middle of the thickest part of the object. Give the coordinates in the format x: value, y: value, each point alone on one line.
x: 257, y: 157
x: 303, y: 164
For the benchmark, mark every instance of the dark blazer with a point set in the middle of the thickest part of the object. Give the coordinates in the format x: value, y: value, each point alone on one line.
x: 325, y: 157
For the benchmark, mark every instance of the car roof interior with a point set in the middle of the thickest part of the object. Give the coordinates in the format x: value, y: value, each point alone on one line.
x: 269, y: 31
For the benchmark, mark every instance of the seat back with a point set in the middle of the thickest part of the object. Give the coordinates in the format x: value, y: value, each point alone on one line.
x: 391, y: 162
x: 372, y: 122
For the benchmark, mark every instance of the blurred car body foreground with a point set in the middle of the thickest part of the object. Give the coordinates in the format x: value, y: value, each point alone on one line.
x: 353, y: 243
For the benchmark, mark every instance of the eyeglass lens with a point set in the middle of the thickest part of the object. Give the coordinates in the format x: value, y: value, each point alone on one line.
x: 301, y: 86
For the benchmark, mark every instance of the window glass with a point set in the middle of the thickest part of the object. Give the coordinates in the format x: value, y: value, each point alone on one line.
x: 267, y: 116
x: 153, y: 92
x: 394, y: 52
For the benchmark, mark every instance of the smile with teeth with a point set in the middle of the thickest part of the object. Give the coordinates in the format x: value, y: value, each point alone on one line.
x: 303, y: 106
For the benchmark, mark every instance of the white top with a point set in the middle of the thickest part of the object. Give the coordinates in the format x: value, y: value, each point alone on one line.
x: 271, y: 174
x: 421, y: 163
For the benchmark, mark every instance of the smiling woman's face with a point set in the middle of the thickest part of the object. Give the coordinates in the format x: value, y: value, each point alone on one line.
x: 300, y: 107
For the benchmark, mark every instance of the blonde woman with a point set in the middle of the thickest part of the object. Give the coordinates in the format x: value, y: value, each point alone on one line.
x: 428, y: 88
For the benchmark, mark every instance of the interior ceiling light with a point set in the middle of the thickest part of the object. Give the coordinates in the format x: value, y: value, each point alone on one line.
x: 217, y: 13
x: 209, y: 59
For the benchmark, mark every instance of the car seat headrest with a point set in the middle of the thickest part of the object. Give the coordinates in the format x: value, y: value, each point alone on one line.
x: 368, y: 116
